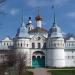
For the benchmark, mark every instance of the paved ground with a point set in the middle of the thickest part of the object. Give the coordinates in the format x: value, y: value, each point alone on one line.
x: 40, y: 71
x: 43, y: 71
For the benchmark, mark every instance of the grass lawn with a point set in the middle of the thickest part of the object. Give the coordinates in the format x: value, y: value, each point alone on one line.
x: 62, y: 72
x: 29, y: 73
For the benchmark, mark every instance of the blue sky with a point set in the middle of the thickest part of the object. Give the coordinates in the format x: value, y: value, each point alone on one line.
x: 11, y: 20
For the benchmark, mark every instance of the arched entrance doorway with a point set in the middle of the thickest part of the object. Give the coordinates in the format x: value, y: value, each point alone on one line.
x: 38, y: 59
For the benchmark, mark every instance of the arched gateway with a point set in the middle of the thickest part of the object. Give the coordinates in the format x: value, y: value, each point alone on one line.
x: 38, y: 59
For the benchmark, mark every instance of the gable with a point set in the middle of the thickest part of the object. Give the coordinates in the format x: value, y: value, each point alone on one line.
x: 38, y: 37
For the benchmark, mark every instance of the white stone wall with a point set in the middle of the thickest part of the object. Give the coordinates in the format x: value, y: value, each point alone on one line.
x: 23, y: 43
x: 55, y: 52
x: 25, y: 52
x: 55, y: 58
x: 35, y: 40
x: 3, y: 58
x: 70, y: 58
x: 6, y: 43
x: 70, y: 52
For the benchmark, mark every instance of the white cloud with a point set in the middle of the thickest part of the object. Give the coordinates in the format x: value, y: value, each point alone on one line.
x: 60, y: 2
x: 14, y: 11
x: 42, y: 3
x: 71, y: 14
x: 37, y: 3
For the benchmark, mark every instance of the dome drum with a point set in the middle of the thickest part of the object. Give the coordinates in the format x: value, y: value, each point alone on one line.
x: 55, y: 31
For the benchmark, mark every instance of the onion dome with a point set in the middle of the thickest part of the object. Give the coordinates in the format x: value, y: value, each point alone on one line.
x: 38, y: 18
x: 30, y: 21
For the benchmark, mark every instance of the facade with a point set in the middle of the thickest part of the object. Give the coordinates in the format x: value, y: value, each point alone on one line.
x: 42, y: 47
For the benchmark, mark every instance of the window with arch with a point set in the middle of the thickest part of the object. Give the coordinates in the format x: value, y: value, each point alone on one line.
x: 39, y: 45
x: 69, y: 44
x: 45, y: 44
x: 58, y: 44
x: 49, y: 44
x: 4, y: 43
x: 33, y: 45
x: 54, y: 44
x: 68, y: 57
x: 27, y: 45
x: 21, y: 44
x: 18, y: 44
x: 72, y: 44
x: 29, y: 28
x: 7, y: 44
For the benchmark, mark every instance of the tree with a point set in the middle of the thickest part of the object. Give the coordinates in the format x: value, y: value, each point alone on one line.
x: 69, y: 35
x: 17, y: 62
x: 21, y: 64
x: 11, y: 59
x: 2, y: 68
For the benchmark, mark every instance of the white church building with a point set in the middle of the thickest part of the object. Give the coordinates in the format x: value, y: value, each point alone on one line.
x: 42, y: 48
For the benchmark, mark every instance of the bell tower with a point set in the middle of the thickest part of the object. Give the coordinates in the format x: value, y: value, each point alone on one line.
x: 29, y: 24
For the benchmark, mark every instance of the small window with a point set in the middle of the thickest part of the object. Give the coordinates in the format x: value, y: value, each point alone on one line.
x: 39, y: 45
x: 58, y: 44
x: 29, y: 28
x: 45, y: 45
x: 69, y: 44
x: 7, y: 44
x: 68, y: 57
x: 72, y: 57
x: 4, y: 44
x: 24, y: 44
x: 54, y: 44
x: 33, y: 45
x: 27, y: 45
x: 21, y: 44
x: 72, y: 44
x: 2, y: 56
x: 18, y: 44
x: 48, y: 45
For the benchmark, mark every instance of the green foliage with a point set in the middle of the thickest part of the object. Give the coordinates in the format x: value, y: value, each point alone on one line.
x: 29, y: 67
x: 69, y: 35
x: 62, y: 72
x: 29, y: 73
x: 3, y: 67
x: 60, y: 68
